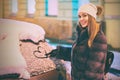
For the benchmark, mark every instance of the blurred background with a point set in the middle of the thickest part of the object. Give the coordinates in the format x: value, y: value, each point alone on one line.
x: 59, y: 17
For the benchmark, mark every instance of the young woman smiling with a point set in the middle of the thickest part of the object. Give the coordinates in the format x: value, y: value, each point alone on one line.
x: 88, y: 54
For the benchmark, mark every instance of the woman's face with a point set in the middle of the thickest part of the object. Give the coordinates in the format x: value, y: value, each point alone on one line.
x: 83, y: 19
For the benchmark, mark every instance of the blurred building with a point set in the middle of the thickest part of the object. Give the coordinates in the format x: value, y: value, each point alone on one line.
x: 59, y: 17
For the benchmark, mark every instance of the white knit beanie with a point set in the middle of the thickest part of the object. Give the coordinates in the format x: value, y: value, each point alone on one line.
x: 89, y: 8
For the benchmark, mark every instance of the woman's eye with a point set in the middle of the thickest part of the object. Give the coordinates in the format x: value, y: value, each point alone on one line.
x: 79, y: 16
x: 84, y: 15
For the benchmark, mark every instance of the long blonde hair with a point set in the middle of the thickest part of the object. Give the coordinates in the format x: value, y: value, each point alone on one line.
x: 93, y: 26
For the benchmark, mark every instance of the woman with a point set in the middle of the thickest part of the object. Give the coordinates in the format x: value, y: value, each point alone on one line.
x: 88, y: 53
